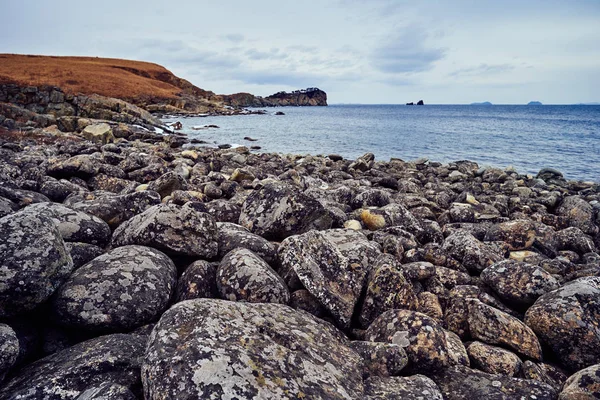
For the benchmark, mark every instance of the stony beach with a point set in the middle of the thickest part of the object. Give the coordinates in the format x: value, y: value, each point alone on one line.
x: 134, y: 268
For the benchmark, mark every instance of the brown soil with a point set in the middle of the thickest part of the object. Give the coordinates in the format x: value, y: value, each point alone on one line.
x: 123, y: 79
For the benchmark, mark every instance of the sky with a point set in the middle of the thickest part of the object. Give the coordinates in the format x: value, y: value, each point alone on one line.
x: 367, y: 51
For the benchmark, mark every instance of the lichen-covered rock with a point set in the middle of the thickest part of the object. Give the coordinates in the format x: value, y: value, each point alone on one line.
x: 575, y: 240
x: 222, y: 210
x: 579, y: 213
x: 566, y: 319
x: 416, y: 387
x: 9, y: 349
x: 171, y: 228
x: 303, y: 300
x: 547, y: 373
x: 82, y: 166
x: 456, y: 349
x: 231, y: 236
x: 325, y: 272
x: 98, y: 133
x: 167, y: 184
x: 518, y: 283
x: 278, y: 210
x: 469, y: 251
x: 82, y: 253
x: 422, y: 337
x: 463, y: 383
x: 69, y: 373
x: 493, y: 360
x: 33, y: 261
x: 380, y: 359
x: 73, y: 225
x: 115, y: 210
x: 122, y: 289
x: 199, y: 280
x: 107, y: 391
x: 583, y: 385
x: 493, y: 326
x: 518, y: 234
x: 206, y: 348
x: 387, y: 289
x: 22, y: 197
x: 243, y: 276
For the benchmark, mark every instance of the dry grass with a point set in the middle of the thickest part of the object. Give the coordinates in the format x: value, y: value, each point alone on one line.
x: 110, y: 77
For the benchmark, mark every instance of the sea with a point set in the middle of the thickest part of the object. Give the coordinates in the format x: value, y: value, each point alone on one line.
x: 525, y: 137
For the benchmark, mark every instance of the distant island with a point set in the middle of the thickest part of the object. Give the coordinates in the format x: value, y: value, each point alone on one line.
x: 485, y: 103
x: 534, y: 103
x: 419, y: 103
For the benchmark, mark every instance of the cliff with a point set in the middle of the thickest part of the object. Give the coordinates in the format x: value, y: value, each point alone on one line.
x: 304, y: 97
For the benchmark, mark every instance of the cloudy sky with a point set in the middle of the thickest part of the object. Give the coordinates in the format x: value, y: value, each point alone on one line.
x: 374, y: 51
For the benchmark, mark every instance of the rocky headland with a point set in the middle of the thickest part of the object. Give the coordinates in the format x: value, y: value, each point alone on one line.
x: 299, y: 98
x: 134, y: 268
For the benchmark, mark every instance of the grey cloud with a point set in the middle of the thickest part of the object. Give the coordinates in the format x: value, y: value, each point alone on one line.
x: 234, y: 37
x: 482, y: 69
x: 406, y: 52
x: 273, y: 54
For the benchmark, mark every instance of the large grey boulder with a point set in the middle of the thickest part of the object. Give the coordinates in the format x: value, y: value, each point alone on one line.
x: 243, y: 276
x: 278, y: 210
x: 73, y: 225
x: 33, y: 261
x: 335, y: 279
x: 231, y: 236
x: 67, y: 374
x: 214, y: 349
x: 579, y: 214
x: 107, y: 391
x: 473, y: 254
x: 123, y: 289
x: 178, y: 230
x: 566, y: 319
x: 416, y: 387
x: 199, y: 280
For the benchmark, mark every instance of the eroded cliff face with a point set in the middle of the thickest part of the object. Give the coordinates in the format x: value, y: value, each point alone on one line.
x: 304, y: 97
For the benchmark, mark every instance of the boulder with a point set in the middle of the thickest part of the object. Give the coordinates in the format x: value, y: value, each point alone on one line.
x: 579, y: 214
x: 121, y: 290
x: 199, y: 280
x: 574, y: 239
x: 73, y: 225
x: 380, y: 359
x: 278, y: 210
x: 493, y: 326
x: 422, y: 338
x: 583, y: 385
x: 416, y: 387
x: 98, y: 133
x: 180, y: 230
x: 387, y: 289
x: 115, y: 210
x: 167, y: 184
x: 107, y: 391
x: 462, y: 383
x: 82, y: 253
x: 566, y: 319
x: 243, y: 276
x: 21, y: 197
x: 231, y: 236
x: 518, y: 234
x: 319, y: 265
x: 67, y: 374
x: 9, y: 349
x: 33, y: 261
x: 518, y: 283
x: 473, y: 254
x: 206, y: 348
x: 493, y: 360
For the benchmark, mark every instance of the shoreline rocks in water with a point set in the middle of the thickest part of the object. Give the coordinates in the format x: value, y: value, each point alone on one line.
x: 131, y: 268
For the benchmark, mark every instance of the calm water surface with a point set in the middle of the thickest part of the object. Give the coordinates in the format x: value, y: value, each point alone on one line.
x: 527, y: 137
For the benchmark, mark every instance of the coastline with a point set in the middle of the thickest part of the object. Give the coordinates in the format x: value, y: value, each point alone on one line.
x: 336, y: 255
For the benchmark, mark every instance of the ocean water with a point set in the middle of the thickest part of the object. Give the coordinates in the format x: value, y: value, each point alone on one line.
x: 526, y: 137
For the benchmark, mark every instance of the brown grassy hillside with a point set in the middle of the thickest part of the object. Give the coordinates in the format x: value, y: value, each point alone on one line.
x: 134, y: 81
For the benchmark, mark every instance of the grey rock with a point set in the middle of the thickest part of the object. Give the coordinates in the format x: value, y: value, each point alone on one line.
x: 199, y: 280
x: 69, y: 373
x: 278, y: 210
x: 416, y: 387
x: 518, y: 283
x: 9, y: 349
x: 380, y: 359
x: 472, y: 253
x: 231, y: 236
x: 207, y: 348
x: 33, y: 261
x: 167, y: 183
x: 122, y: 289
x: 82, y: 253
x: 579, y: 213
x: 566, y: 319
x: 494, y: 360
x: 107, y: 391
x: 22, y: 197
x: 243, y: 276
x: 463, y: 383
x: 171, y: 228
x: 582, y: 385
x: 575, y: 240
x: 73, y: 225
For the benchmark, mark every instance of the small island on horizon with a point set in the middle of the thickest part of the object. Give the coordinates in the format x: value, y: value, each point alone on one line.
x: 534, y: 103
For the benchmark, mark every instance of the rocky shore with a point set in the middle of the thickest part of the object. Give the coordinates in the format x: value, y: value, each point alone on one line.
x: 134, y: 268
